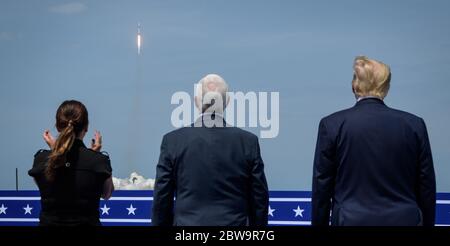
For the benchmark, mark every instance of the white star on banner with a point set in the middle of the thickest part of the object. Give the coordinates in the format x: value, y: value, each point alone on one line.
x: 105, y: 209
x: 27, y: 209
x: 3, y: 209
x: 131, y: 210
x: 271, y: 211
x: 298, y: 211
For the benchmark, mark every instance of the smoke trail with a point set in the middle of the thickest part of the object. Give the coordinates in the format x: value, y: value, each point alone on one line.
x: 135, y: 121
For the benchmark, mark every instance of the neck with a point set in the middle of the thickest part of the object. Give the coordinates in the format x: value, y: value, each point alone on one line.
x: 80, y: 137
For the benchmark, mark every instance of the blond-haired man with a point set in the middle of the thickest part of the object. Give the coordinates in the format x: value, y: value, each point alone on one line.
x: 373, y: 164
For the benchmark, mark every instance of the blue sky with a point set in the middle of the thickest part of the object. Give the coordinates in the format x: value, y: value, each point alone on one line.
x: 85, y: 50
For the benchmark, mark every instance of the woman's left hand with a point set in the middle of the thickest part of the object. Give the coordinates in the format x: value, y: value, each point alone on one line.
x: 96, y: 143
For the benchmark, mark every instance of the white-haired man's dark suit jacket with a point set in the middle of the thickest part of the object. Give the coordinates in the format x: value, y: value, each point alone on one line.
x: 373, y: 166
x: 216, y: 175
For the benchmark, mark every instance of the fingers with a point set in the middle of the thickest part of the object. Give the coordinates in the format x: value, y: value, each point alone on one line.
x: 98, y: 138
x: 46, y: 134
x: 48, y: 138
x: 96, y: 142
x: 49, y: 135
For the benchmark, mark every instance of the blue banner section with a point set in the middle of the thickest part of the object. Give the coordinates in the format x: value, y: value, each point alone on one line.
x: 134, y: 208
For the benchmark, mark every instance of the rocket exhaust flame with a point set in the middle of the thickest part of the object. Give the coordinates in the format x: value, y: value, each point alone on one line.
x: 139, y: 39
x: 139, y: 43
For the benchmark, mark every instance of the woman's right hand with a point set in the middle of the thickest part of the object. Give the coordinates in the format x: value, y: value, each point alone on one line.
x: 49, y: 139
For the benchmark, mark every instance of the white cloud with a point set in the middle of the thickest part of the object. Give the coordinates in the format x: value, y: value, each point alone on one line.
x: 134, y: 182
x: 68, y: 8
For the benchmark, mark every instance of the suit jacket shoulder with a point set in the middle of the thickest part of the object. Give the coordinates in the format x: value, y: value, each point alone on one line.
x: 342, y: 115
x: 337, y: 114
x: 330, y: 121
x: 409, y: 117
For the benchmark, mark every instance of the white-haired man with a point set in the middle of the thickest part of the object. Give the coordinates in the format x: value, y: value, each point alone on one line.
x: 373, y: 164
x: 215, y: 171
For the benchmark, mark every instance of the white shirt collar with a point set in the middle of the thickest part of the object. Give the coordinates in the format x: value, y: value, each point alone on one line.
x: 366, y: 97
x: 203, y: 114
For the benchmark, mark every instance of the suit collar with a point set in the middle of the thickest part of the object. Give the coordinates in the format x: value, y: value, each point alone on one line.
x: 370, y: 100
x: 210, y: 120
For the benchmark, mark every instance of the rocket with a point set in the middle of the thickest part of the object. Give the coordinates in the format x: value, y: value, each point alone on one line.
x: 139, y: 38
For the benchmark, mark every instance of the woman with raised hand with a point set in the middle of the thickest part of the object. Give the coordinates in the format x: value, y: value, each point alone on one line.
x: 71, y: 177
